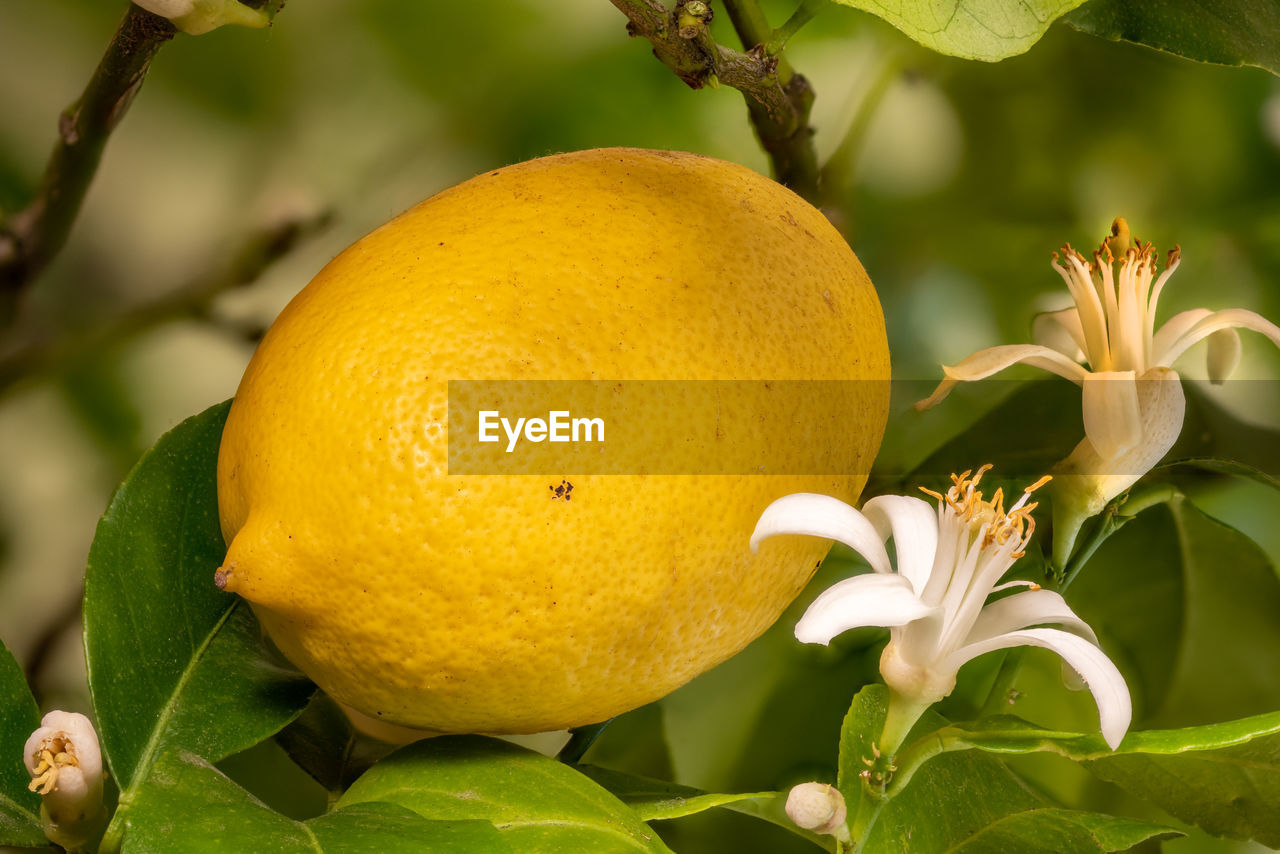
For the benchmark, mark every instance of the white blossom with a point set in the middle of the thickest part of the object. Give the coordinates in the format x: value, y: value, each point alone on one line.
x: 65, y: 764
x: 1108, y: 344
x: 950, y: 560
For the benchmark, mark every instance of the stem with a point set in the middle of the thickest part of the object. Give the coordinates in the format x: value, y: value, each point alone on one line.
x: 30, y: 238
x: 778, y: 99
x: 902, y: 715
x: 260, y: 251
x: 838, y: 171
x: 580, y: 741
x: 66, y: 617
x: 785, y: 136
x: 1112, y: 519
x: 803, y: 14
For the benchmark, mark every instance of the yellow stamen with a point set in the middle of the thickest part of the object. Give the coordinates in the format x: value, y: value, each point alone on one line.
x: 1001, y: 526
x: 54, y: 754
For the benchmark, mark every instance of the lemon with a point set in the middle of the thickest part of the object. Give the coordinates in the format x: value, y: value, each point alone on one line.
x: 504, y: 603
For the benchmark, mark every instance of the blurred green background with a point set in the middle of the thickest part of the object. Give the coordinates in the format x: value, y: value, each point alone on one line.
x: 962, y: 179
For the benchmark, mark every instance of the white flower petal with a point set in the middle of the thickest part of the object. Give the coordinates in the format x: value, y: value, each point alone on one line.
x: 822, y: 516
x: 1112, y: 419
x: 1061, y: 331
x: 1230, y: 318
x: 168, y: 8
x: 1173, y: 329
x: 914, y: 525
x: 1115, y: 709
x: 1224, y: 355
x: 1093, y: 318
x: 984, y: 363
x: 1024, y: 610
x: 863, y: 600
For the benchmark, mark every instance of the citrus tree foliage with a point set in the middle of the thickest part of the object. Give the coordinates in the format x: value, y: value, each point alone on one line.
x: 215, y: 743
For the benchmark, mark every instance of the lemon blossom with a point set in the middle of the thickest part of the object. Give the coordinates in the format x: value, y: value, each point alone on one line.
x: 1132, y: 399
x: 65, y: 764
x: 949, y: 562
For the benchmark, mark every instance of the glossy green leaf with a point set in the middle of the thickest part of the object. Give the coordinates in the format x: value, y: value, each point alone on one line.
x: 173, y: 662
x: 1229, y: 787
x: 1051, y: 829
x: 1229, y: 655
x: 1225, y: 32
x: 1190, y: 611
x: 862, y: 727
x: 989, y: 30
x: 325, y: 745
x: 927, y: 816
x: 19, y: 717
x: 657, y: 800
x: 1231, y: 467
x: 1222, y: 777
x: 538, y: 803
x: 188, y: 805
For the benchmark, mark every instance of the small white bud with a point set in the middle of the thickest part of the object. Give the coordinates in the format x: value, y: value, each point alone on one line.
x: 65, y: 764
x: 818, y: 807
x: 200, y: 16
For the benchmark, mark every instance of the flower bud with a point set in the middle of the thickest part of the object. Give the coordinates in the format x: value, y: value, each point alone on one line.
x: 65, y: 764
x: 818, y: 807
x: 200, y: 16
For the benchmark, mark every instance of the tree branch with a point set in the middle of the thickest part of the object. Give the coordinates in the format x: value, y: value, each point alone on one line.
x: 258, y: 253
x: 778, y: 99
x: 30, y: 238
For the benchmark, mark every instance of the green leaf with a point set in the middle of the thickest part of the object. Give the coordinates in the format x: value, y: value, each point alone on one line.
x: 173, y: 662
x: 658, y: 800
x: 188, y: 805
x: 1229, y: 654
x: 1231, y: 467
x: 1190, y: 611
x: 1215, y: 438
x: 1022, y: 436
x: 374, y: 828
x: 19, y: 717
x: 927, y: 816
x: 323, y: 743
x: 1051, y: 829
x: 989, y: 30
x: 997, y: 812
x: 539, y: 804
x: 1225, y: 32
x: 862, y: 727
x: 1223, y: 777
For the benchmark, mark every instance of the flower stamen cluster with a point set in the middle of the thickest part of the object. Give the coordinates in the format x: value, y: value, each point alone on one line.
x: 54, y: 753
x: 988, y: 518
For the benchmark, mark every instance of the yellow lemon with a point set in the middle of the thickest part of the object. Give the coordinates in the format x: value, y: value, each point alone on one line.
x: 507, y: 603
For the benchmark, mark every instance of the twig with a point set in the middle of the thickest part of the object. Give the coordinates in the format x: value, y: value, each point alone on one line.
x: 803, y: 14
x: 47, y: 640
x: 32, y: 237
x: 259, y: 252
x: 778, y: 99
x: 787, y: 138
x: 838, y: 172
